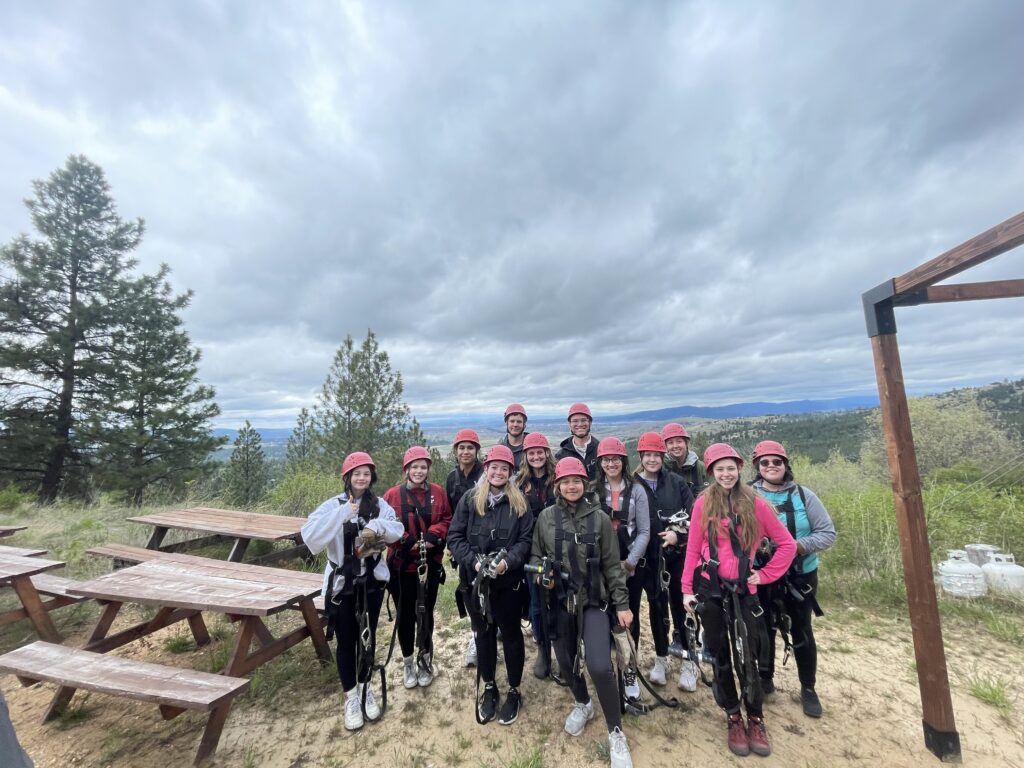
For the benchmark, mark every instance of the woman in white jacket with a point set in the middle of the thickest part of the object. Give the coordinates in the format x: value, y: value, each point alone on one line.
x: 354, y: 528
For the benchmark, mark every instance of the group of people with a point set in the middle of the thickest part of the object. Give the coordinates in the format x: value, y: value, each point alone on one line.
x: 572, y: 540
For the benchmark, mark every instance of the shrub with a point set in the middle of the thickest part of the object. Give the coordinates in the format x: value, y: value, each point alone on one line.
x: 11, y: 498
x: 301, y: 491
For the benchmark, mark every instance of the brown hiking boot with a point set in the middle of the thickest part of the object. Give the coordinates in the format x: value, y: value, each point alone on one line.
x: 757, y: 735
x: 738, y: 743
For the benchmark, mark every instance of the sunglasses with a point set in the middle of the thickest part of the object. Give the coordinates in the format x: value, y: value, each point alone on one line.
x: 771, y: 462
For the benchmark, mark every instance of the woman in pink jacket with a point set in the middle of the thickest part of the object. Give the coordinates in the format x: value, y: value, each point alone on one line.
x: 728, y: 523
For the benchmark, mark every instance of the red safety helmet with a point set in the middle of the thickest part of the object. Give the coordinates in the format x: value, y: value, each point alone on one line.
x: 769, y: 448
x: 500, y: 453
x: 466, y: 436
x: 611, y: 446
x: 415, y: 453
x: 570, y: 467
x: 580, y: 409
x: 536, y: 440
x: 515, y: 408
x: 650, y: 441
x: 674, y: 430
x: 355, y: 460
x: 718, y: 451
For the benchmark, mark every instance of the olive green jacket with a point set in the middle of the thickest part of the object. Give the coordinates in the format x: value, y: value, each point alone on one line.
x: 613, y: 578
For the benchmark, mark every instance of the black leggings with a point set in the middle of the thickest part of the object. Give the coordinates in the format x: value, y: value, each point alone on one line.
x: 716, y: 641
x: 507, y: 607
x: 403, y: 592
x: 674, y: 565
x: 805, y: 649
x: 597, y: 640
x: 657, y: 602
x: 346, y: 630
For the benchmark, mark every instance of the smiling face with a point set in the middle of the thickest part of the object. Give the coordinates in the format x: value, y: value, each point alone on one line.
x: 360, y: 479
x: 465, y: 453
x: 497, y: 473
x: 726, y: 472
x: 515, y: 424
x: 571, y: 488
x: 612, y: 466
x: 579, y: 425
x: 652, y: 461
x: 536, y: 458
x: 677, y: 447
x: 417, y: 471
x: 772, y: 469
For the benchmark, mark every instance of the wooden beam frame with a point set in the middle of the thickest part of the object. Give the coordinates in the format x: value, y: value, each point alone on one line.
x: 918, y: 287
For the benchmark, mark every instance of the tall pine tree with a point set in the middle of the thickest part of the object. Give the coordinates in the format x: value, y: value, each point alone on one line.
x: 61, y: 300
x: 245, y: 481
x: 300, y: 445
x: 153, y: 424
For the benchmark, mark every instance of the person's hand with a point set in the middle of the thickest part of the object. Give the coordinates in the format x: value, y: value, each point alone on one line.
x: 800, y: 550
x: 625, y: 618
x: 501, y: 567
x: 690, y: 603
x: 628, y: 567
x: 428, y: 544
x: 755, y: 579
x: 476, y: 566
x: 669, y: 538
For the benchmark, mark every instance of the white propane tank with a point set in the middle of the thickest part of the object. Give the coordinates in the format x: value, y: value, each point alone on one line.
x: 960, y: 577
x: 978, y: 553
x: 1004, y: 575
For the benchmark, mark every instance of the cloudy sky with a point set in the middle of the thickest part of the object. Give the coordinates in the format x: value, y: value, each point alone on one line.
x: 633, y: 204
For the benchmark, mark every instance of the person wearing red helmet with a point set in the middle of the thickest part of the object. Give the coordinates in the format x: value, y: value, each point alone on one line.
x: 580, y: 444
x: 679, y: 459
x: 490, y: 540
x: 575, y: 537
x: 670, y: 499
x: 515, y: 431
x: 720, y: 584
x: 626, y: 503
x: 536, y: 479
x: 423, y: 509
x: 468, y: 470
x: 807, y: 520
x: 351, y: 527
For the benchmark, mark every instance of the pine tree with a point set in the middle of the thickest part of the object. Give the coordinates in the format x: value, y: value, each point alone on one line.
x: 245, y: 480
x: 60, y: 303
x: 154, y: 421
x: 300, y: 445
x: 360, y: 407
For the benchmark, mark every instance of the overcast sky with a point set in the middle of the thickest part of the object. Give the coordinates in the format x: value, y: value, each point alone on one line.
x: 632, y: 204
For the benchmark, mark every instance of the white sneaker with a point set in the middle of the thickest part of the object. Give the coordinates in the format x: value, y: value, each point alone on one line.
x: 630, y: 684
x: 659, y: 670
x: 471, y: 651
x: 372, y: 707
x: 409, y: 676
x: 579, y: 716
x: 688, y: 677
x: 424, y: 676
x: 353, y: 711
x: 618, y: 749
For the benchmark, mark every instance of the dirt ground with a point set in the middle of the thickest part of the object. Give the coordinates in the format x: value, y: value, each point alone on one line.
x: 867, y: 684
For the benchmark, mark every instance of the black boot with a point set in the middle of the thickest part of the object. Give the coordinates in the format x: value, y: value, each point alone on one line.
x: 542, y: 666
x: 811, y: 704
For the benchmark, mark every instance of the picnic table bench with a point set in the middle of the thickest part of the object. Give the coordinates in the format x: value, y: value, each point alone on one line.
x: 26, y: 576
x: 21, y: 551
x: 10, y: 530
x: 174, y: 690
x: 222, y: 524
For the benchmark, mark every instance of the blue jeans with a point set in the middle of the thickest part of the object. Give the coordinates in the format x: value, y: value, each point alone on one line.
x: 535, y: 620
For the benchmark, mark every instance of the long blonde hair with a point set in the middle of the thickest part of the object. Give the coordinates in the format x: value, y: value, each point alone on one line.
x: 740, y: 500
x: 516, y: 499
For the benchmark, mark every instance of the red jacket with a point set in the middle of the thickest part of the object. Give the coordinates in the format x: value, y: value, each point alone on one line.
x: 416, y: 518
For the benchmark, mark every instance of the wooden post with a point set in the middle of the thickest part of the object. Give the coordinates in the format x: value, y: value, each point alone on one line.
x: 940, y: 734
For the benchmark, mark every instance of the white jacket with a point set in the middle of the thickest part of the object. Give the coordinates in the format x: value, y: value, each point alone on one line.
x: 323, y: 529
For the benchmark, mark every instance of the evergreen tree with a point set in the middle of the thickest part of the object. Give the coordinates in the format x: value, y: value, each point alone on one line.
x: 360, y: 407
x: 300, y: 445
x: 154, y: 425
x: 245, y: 480
x: 60, y: 303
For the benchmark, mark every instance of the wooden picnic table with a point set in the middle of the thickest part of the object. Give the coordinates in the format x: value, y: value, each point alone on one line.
x: 10, y: 530
x: 220, y: 524
x: 17, y: 571
x: 183, y: 590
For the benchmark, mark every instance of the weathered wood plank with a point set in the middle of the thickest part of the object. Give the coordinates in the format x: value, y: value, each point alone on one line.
x: 10, y: 530
x: 33, y: 606
x: 21, y: 551
x: 995, y: 289
x: 16, y: 565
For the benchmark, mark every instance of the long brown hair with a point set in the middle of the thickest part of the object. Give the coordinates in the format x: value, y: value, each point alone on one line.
x: 524, y: 478
x: 516, y: 499
x: 740, y: 500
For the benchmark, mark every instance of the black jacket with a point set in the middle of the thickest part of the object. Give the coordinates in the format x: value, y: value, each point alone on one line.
x: 671, y: 495
x: 566, y: 449
x: 471, y: 535
x: 457, y: 484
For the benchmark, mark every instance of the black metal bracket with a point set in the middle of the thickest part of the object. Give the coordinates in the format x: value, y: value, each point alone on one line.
x: 945, y: 745
x: 878, y: 309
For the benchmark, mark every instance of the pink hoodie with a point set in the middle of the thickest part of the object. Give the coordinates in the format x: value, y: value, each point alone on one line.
x: 697, y: 549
